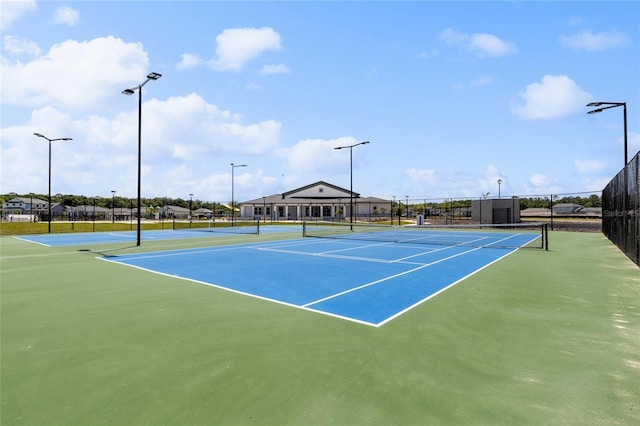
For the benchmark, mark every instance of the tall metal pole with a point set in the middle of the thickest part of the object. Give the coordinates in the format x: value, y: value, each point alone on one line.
x: 138, y: 236
x: 113, y: 206
x: 351, y: 186
x: 351, y: 176
x: 49, y: 203
x: 40, y: 135
x: 407, y: 213
x: 626, y: 152
x: 393, y: 204
x: 150, y: 76
x: 233, y: 210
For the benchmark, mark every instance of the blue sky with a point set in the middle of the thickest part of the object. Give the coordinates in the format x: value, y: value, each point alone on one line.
x: 452, y: 96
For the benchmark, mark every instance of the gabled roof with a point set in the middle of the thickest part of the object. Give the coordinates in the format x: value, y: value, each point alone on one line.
x: 176, y: 209
x: 25, y: 200
x: 317, y: 190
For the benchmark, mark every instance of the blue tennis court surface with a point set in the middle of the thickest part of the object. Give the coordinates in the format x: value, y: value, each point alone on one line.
x: 366, y: 282
x: 84, y: 238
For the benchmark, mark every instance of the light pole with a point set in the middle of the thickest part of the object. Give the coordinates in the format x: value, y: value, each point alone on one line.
x: 50, y: 140
x: 393, y: 205
x: 351, y: 176
x: 233, y: 210
x: 264, y: 209
x: 613, y: 105
x: 113, y: 206
x: 407, y: 213
x: 129, y: 92
x: 94, y: 214
x: 499, y: 182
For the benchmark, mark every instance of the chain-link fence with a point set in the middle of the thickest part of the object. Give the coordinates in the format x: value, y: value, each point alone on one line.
x: 575, y: 211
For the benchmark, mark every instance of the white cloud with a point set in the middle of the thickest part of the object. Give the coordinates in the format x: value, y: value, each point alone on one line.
x: 540, y: 184
x: 180, y: 135
x: 589, y: 166
x: 237, y: 46
x: 13, y: 10
x: 539, y: 180
x: 553, y: 97
x: 422, y: 176
x: 190, y: 127
x: 462, y: 183
x: 188, y: 60
x: 480, y: 43
x: 20, y: 47
x: 593, y: 42
x: 483, y: 80
x: 596, y: 185
x: 275, y: 69
x: 319, y: 156
x: 66, y: 15
x: 108, y: 65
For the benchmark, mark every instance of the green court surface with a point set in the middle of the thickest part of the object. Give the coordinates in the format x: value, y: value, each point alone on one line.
x: 540, y: 337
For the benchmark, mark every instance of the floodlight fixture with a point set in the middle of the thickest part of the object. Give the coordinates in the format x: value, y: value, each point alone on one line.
x: 608, y: 105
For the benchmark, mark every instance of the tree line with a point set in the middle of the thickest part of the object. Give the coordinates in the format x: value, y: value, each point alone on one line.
x: 114, y: 201
x: 444, y: 205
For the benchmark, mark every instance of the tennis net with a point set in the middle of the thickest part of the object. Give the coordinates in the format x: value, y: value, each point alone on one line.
x: 238, y: 227
x: 513, y: 235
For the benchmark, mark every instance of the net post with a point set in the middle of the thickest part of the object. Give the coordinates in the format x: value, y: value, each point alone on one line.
x: 173, y: 224
x: 546, y: 237
x: 257, y: 227
x: 304, y: 228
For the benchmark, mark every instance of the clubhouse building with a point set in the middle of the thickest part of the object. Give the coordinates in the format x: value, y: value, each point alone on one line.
x: 319, y: 201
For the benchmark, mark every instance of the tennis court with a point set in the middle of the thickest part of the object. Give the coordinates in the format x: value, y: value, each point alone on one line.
x: 370, y: 282
x: 509, y: 344
x: 86, y: 238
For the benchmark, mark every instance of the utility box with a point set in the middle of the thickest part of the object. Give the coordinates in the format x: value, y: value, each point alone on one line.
x: 496, y: 210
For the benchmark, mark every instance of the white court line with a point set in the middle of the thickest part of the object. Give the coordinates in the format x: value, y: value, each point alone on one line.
x: 426, y: 265
x: 432, y: 295
x: 168, y: 253
x: 335, y: 256
x: 32, y: 241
